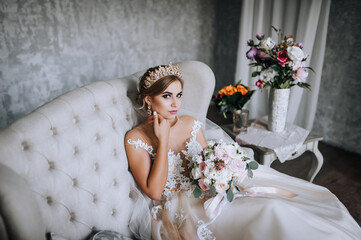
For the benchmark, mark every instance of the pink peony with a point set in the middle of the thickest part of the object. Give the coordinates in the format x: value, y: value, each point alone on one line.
x: 301, y: 75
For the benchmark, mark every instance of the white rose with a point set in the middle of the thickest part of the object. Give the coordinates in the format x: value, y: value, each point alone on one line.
x: 295, y: 53
x: 268, y: 74
x: 198, y: 159
x: 267, y: 44
x: 221, y: 187
x: 196, y: 173
x: 295, y: 65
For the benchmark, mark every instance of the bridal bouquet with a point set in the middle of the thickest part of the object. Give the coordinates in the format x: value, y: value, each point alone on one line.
x: 279, y: 65
x: 220, y: 168
x: 231, y: 98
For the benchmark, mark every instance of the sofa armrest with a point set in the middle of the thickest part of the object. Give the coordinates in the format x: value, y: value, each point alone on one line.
x: 20, y: 214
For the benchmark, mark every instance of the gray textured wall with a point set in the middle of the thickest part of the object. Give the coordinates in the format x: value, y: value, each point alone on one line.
x: 48, y: 47
x: 226, y: 43
x: 338, y: 116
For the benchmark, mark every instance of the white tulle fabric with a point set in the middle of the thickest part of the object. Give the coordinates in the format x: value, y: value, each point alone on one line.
x: 314, y: 214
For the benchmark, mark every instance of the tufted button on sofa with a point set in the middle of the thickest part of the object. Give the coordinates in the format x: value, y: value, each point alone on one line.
x: 63, y: 167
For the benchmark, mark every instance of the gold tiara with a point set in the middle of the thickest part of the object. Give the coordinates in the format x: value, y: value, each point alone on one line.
x: 162, y: 71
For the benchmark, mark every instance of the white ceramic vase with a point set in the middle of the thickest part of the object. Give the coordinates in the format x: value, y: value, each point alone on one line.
x: 278, y: 106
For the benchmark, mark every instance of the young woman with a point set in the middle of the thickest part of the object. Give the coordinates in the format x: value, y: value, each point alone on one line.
x: 158, y: 150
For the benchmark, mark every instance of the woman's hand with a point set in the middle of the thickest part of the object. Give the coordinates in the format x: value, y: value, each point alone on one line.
x: 161, y: 128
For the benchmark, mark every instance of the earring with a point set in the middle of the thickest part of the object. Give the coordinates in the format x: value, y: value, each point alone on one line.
x: 149, y: 110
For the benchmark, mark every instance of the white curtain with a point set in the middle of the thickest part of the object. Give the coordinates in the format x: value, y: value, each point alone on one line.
x: 307, y: 21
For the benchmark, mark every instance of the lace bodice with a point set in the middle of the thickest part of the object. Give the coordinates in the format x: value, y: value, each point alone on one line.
x: 176, y: 179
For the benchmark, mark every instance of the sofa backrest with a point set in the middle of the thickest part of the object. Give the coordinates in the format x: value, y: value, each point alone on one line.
x: 70, y: 151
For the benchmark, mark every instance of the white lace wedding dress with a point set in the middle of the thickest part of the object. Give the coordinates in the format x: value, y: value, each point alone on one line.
x: 315, y: 213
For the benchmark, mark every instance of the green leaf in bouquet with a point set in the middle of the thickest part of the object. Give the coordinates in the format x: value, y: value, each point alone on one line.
x: 285, y: 85
x: 304, y: 85
x: 195, y: 182
x: 250, y: 173
x: 252, y: 165
x: 197, y: 192
x: 213, y: 190
x: 275, y: 67
x: 230, y: 195
x: 255, y: 73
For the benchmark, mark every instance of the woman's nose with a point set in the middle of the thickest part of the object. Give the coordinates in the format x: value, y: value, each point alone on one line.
x: 174, y: 102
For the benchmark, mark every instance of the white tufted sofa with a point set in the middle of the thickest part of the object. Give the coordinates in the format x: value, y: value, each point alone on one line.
x: 63, y: 168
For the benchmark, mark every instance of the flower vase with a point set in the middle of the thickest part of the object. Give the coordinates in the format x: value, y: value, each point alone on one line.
x: 278, y: 106
x: 240, y: 121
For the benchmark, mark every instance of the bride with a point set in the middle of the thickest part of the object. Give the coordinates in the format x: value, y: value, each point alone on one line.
x: 157, y: 151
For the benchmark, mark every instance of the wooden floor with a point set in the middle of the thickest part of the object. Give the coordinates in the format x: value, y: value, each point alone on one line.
x: 340, y: 173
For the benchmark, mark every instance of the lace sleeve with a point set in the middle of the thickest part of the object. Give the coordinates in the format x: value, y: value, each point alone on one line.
x: 140, y: 144
x: 196, y: 126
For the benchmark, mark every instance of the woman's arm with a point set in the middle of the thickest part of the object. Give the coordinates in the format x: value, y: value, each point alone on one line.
x: 151, y: 178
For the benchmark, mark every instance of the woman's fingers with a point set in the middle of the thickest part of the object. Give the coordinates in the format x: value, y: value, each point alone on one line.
x: 155, y: 119
x: 151, y: 119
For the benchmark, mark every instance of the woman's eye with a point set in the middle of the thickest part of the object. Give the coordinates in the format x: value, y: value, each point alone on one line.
x: 179, y: 95
x: 166, y: 96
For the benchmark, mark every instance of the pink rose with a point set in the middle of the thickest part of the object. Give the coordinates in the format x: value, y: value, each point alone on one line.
x: 237, y: 165
x: 202, y: 166
x: 282, y: 58
x: 260, y: 84
x: 203, y: 185
x: 221, y: 154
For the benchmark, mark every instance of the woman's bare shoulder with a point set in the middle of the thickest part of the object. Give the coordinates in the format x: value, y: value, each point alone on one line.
x: 136, y: 133
x: 188, y: 119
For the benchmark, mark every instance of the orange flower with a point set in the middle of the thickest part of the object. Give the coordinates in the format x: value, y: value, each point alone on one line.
x: 242, y: 89
x: 228, y: 90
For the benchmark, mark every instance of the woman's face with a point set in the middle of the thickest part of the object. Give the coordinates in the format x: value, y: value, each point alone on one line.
x: 168, y: 103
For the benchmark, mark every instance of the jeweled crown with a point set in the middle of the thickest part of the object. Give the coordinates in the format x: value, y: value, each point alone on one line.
x: 162, y: 71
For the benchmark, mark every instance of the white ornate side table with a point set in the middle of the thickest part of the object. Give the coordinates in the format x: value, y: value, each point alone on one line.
x: 266, y: 156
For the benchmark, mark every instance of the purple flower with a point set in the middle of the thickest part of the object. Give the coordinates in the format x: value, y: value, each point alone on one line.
x: 300, y: 45
x: 262, y: 55
x: 260, y: 36
x: 252, y: 52
x: 250, y: 42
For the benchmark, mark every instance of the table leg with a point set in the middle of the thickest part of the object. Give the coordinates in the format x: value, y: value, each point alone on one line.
x: 266, y: 160
x: 317, y: 162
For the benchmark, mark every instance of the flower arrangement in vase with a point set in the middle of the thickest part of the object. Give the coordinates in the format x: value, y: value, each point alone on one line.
x: 279, y: 66
x: 232, y: 99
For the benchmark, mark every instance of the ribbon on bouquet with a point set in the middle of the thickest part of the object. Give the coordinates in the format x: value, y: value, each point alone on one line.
x: 214, y: 205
